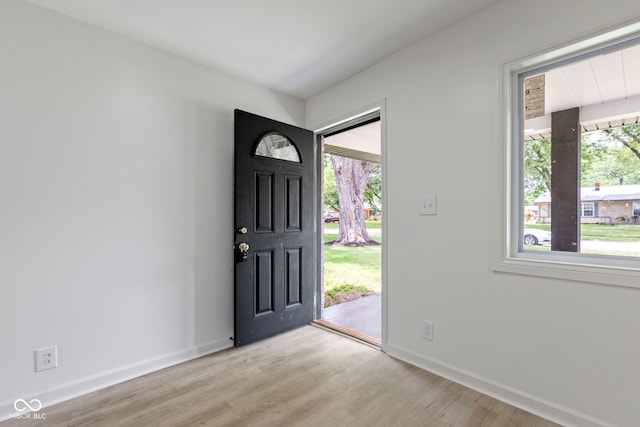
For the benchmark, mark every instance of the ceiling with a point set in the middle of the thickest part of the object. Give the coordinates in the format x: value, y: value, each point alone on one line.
x: 362, y: 142
x: 598, y: 80
x: 297, y: 47
x: 606, y: 88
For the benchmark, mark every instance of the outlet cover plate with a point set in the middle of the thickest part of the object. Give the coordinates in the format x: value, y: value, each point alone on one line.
x: 427, y: 330
x: 46, y: 358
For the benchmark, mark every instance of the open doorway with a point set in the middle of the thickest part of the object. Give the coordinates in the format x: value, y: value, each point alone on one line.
x: 351, y: 279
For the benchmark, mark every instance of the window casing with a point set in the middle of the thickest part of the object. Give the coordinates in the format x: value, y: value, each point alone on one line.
x: 511, y: 255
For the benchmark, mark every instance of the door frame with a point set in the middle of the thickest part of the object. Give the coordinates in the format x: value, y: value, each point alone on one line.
x: 344, y: 121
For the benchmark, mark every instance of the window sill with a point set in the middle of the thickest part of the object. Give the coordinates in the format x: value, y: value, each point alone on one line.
x: 624, y: 274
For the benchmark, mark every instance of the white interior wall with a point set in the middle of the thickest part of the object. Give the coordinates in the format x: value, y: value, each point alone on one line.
x: 564, y: 349
x: 116, y: 204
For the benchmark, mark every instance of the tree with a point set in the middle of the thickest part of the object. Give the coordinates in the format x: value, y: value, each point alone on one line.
x: 330, y: 193
x: 606, y: 156
x: 629, y: 136
x: 537, y: 168
x: 606, y: 160
x: 625, y: 162
x: 351, y: 183
x: 373, y: 192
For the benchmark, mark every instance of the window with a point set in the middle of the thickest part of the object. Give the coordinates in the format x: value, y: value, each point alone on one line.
x: 580, y: 155
x: 587, y: 209
x: 572, y: 136
x: 277, y: 146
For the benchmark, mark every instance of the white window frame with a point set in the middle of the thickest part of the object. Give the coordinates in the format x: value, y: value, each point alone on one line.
x: 509, y: 254
x: 588, y: 207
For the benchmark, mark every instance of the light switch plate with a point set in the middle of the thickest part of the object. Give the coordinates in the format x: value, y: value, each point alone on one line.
x: 428, y: 205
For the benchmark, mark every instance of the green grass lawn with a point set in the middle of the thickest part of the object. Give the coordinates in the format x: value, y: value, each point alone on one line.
x: 611, y: 233
x: 356, y: 266
x: 360, y: 266
x: 599, y: 232
x: 370, y: 225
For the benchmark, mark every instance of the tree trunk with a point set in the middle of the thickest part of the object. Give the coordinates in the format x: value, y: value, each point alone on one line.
x: 351, y: 183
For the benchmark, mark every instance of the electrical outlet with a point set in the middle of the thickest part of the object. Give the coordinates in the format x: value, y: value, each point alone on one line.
x: 427, y: 330
x: 46, y: 358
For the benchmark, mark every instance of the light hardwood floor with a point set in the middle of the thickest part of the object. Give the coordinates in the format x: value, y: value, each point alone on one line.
x: 306, y: 377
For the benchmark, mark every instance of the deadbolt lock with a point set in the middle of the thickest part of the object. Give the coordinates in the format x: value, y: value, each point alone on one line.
x: 242, y: 253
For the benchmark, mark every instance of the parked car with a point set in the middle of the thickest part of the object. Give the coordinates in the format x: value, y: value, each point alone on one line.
x: 331, y: 218
x: 533, y: 236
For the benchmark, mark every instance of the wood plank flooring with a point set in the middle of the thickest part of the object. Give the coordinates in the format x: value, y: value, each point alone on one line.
x: 306, y: 377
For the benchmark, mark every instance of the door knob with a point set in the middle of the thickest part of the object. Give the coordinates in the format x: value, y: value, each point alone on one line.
x: 242, y: 254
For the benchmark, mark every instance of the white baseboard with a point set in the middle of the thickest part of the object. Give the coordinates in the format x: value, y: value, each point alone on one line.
x: 105, y: 379
x: 545, y: 409
x: 519, y: 399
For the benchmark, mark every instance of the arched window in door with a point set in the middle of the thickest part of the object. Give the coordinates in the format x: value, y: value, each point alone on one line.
x: 277, y: 146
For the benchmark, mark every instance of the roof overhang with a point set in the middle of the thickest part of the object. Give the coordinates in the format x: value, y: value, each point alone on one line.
x: 605, y: 87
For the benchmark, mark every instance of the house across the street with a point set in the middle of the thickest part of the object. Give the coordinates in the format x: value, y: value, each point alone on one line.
x: 616, y: 204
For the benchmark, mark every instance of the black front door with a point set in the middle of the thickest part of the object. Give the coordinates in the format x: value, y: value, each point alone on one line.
x: 274, y: 236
